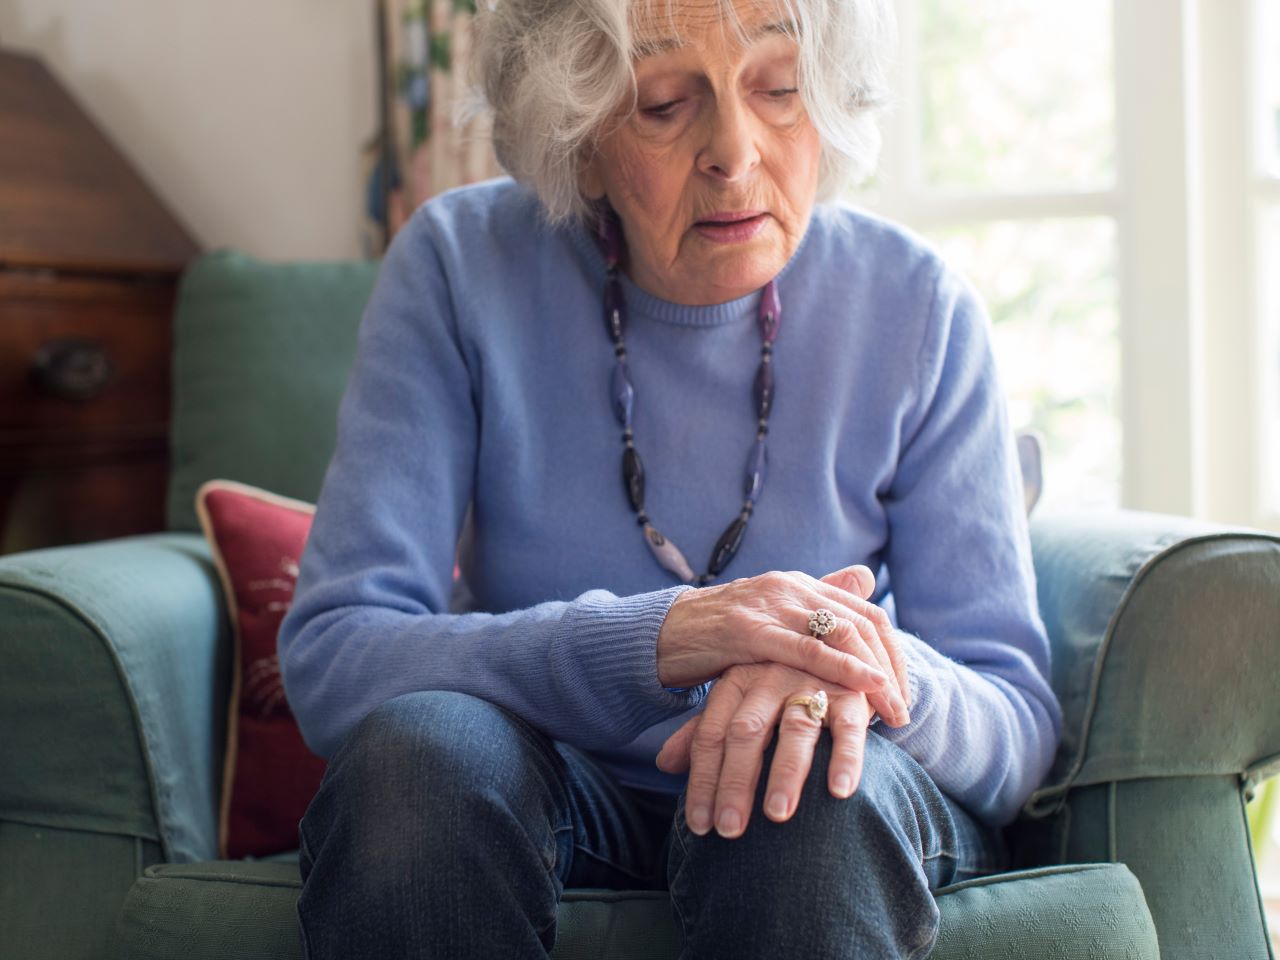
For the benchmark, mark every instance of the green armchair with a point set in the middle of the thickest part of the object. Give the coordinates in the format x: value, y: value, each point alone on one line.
x: 117, y: 661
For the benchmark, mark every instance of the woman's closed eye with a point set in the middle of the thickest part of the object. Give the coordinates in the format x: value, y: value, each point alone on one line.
x: 780, y: 104
x: 661, y: 110
x: 664, y: 110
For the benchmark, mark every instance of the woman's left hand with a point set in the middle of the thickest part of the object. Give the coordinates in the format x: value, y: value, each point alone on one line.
x: 723, y: 745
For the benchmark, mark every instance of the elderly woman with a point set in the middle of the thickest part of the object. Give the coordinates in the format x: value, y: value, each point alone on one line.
x: 666, y: 280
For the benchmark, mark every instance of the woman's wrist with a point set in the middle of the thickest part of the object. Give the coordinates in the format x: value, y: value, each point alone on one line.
x: 665, y: 640
x: 676, y: 668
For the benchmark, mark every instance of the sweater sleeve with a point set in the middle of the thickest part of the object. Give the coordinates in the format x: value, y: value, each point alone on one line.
x: 369, y: 618
x: 985, y: 722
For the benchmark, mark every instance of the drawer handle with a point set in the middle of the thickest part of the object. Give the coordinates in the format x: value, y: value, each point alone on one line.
x: 72, y: 368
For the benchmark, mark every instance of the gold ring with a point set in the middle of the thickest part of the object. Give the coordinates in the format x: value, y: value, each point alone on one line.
x: 815, y: 704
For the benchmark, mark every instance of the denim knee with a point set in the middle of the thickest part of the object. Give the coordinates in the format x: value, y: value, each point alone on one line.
x: 893, y: 792
x: 840, y: 877
x: 895, y: 803
x: 435, y: 832
x: 413, y: 773
x: 434, y: 731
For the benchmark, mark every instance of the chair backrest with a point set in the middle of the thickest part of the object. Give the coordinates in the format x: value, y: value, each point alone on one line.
x: 262, y: 352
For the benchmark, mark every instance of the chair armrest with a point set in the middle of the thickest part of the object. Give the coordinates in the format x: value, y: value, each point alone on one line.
x: 1164, y: 638
x: 113, y: 698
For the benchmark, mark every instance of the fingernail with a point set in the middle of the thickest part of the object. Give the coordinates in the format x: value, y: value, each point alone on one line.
x: 844, y: 785
x: 729, y: 823
x: 777, y: 806
x: 700, y: 820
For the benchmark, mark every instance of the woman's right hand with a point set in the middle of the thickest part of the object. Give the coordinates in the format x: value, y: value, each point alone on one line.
x: 766, y: 618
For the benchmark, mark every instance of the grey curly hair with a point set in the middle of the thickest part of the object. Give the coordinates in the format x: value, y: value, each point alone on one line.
x: 549, y: 73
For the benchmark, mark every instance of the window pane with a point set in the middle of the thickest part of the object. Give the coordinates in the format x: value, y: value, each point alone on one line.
x: 1016, y: 94
x: 1268, y: 39
x: 1050, y: 287
x: 1269, y: 297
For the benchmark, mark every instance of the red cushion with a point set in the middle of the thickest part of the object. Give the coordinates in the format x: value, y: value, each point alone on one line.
x: 269, y: 774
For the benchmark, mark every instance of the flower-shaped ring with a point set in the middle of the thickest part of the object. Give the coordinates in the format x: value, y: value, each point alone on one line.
x: 821, y: 622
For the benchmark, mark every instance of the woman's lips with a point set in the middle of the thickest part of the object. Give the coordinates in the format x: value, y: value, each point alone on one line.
x: 731, y: 231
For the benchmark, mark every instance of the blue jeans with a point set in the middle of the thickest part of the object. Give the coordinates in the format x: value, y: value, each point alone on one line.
x: 448, y: 827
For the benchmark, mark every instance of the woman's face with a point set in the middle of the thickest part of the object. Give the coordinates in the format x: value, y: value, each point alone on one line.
x: 719, y: 134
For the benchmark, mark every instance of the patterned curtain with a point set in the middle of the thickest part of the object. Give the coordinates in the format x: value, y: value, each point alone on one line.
x: 418, y: 152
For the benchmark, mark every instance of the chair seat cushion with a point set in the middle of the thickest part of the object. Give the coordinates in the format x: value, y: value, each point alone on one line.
x: 246, y: 909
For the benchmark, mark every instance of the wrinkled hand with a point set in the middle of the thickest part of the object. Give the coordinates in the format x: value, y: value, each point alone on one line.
x: 723, y: 746
x: 764, y: 619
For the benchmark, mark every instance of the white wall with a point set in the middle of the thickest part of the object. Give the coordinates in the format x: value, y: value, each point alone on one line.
x: 246, y: 116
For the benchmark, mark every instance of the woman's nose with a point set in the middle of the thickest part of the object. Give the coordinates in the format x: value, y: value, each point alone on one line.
x: 730, y: 152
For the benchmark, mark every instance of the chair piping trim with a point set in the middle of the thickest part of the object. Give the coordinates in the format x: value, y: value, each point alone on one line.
x: 231, y: 878
x: 1253, y: 866
x: 1112, y: 846
x: 1059, y: 791
x: 1035, y: 873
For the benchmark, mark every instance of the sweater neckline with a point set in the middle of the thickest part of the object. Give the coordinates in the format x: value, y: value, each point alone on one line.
x: 640, y: 301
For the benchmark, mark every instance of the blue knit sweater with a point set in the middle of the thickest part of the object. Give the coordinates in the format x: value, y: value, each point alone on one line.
x: 477, y: 417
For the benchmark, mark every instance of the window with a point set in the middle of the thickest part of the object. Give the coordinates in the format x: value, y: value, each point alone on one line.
x: 1108, y: 176
x: 1267, y: 71
x: 1266, y: 153
x: 1015, y: 95
x: 1002, y: 152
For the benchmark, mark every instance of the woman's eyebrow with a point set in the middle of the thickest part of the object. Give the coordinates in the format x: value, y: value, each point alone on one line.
x: 786, y: 28
x: 651, y: 48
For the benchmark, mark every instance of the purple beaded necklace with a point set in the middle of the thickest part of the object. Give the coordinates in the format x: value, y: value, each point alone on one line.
x: 623, y: 394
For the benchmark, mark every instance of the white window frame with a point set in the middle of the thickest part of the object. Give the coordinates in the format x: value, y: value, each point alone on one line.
x: 1240, y: 354
x: 1191, y: 388
x: 1264, y: 187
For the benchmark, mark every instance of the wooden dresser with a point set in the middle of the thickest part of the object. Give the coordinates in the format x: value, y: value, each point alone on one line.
x: 89, y: 264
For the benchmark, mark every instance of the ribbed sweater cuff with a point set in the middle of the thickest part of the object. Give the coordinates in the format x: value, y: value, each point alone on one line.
x: 613, y: 642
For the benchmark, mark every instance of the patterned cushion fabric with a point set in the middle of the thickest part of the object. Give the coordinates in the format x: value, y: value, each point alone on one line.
x: 269, y: 775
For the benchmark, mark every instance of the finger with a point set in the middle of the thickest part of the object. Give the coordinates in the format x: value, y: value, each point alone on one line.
x: 884, y: 627
x: 893, y: 642
x: 857, y: 579
x: 855, y: 634
x: 883, y: 652
x: 750, y: 732
x: 674, y: 755
x: 792, y: 758
x: 809, y: 654
x: 866, y: 646
x: 875, y: 620
x: 872, y: 623
x: 848, y: 716
x: 706, y: 753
